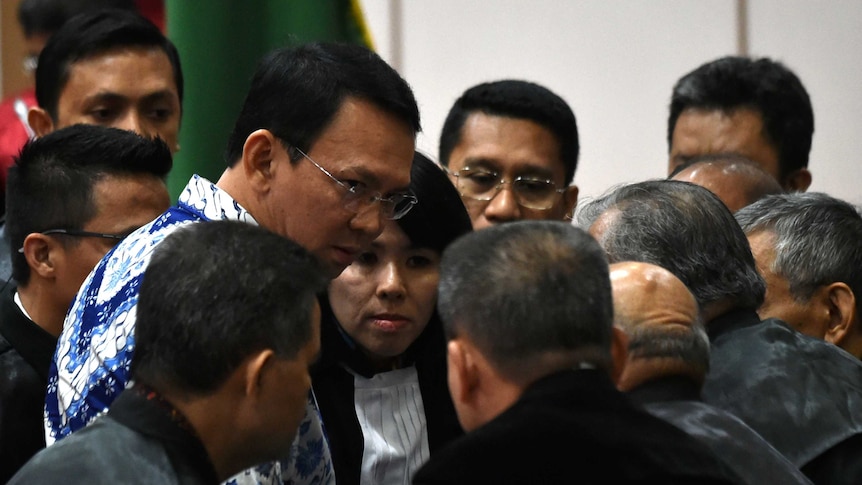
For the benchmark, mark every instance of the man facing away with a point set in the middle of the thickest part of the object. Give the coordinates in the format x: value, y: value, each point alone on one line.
x: 220, y: 382
x: 73, y: 195
x: 803, y: 395
x: 320, y: 153
x: 530, y: 366
x: 757, y: 108
x: 736, y: 180
x: 511, y: 149
x: 667, y: 361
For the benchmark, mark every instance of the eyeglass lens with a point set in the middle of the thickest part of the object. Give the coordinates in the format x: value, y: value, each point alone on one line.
x: 535, y: 193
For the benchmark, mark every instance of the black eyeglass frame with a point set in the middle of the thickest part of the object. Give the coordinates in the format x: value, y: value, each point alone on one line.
x: 79, y: 233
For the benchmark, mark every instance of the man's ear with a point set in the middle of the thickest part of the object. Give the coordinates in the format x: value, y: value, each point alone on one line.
x: 570, y: 199
x: 619, y: 353
x: 463, y: 376
x: 797, y: 181
x: 257, y: 161
x: 841, y: 304
x: 41, y: 252
x: 255, y: 366
x: 40, y: 121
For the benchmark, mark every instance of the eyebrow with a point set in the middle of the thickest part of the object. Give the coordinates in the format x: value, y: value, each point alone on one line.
x: 520, y: 169
x: 110, y: 96
x: 372, y: 180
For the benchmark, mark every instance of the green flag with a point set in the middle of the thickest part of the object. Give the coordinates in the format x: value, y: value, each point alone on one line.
x: 220, y: 43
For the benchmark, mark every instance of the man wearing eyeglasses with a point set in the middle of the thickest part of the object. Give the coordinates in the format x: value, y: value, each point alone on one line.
x: 73, y: 195
x: 321, y: 154
x: 511, y: 149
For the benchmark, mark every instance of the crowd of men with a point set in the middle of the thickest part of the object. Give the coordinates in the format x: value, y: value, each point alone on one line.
x: 697, y: 329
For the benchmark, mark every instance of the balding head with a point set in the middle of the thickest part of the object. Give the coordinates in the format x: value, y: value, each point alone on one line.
x: 736, y: 180
x: 648, y: 295
x: 661, y: 318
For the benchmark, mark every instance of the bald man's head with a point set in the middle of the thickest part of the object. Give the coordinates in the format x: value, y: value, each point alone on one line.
x: 736, y: 180
x: 661, y: 318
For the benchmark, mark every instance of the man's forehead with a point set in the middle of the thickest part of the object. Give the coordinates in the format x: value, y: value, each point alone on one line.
x: 510, y: 145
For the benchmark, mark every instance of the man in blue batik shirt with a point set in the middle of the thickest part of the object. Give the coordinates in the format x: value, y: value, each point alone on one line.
x: 321, y: 154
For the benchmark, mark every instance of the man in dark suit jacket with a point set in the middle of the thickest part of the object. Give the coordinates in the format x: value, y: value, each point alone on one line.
x: 530, y: 364
x: 667, y: 361
x: 801, y: 394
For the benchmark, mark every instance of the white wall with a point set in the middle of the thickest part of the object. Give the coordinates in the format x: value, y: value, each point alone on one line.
x: 615, y: 62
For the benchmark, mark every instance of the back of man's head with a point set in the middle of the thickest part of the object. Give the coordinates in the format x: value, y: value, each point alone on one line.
x: 532, y: 296
x: 520, y: 100
x: 51, y: 184
x: 661, y: 319
x: 232, y: 289
x: 297, y: 91
x: 735, y: 179
x: 763, y: 85
x: 816, y: 239
x: 684, y: 228
x: 90, y: 34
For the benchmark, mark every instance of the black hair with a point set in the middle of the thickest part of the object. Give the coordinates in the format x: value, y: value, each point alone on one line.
x: 525, y: 290
x: 51, y: 184
x: 764, y: 85
x: 235, y: 289
x: 515, y: 99
x: 296, y: 92
x: 47, y: 16
x: 90, y: 34
x: 440, y: 216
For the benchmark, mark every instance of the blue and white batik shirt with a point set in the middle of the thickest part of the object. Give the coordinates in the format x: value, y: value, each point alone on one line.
x: 91, y: 363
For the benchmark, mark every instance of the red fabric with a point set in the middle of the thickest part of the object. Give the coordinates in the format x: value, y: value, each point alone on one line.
x: 13, y: 133
x: 153, y: 10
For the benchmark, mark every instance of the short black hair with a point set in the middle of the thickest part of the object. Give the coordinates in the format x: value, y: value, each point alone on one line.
x: 440, y: 216
x: 762, y: 84
x: 90, y: 34
x: 515, y: 99
x: 296, y: 92
x: 685, y: 229
x: 47, y: 16
x: 526, y: 290
x: 50, y: 186
x: 235, y: 289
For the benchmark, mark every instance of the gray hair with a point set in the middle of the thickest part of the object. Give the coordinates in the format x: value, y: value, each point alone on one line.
x: 818, y: 240
x: 685, y: 229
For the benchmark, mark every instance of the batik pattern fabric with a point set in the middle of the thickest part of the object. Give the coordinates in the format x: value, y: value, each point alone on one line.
x: 91, y: 363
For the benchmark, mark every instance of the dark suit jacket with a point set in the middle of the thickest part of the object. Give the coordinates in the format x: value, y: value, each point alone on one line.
x: 676, y: 399
x: 25, y: 355
x: 575, y: 427
x: 801, y: 394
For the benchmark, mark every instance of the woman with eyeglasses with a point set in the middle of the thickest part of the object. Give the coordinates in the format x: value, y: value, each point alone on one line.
x: 381, y: 380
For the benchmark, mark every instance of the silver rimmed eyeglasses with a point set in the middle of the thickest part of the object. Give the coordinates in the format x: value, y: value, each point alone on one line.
x: 77, y: 233
x: 358, y: 197
x: 483, y: 185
